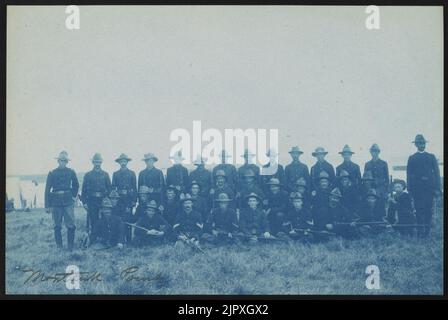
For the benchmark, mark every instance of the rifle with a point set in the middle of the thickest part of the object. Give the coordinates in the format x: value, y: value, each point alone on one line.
x: 141, y: 228
x: 248, y: 236
x: 191, y: 243
x: 315, y: 231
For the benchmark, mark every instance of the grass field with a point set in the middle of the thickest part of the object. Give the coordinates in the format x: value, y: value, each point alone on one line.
x: 407, y: 265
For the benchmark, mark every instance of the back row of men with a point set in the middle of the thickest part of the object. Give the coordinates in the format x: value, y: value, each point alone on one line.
x: 276, y: 195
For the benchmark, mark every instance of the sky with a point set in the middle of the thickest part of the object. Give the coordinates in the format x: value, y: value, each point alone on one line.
x: 132, y: 74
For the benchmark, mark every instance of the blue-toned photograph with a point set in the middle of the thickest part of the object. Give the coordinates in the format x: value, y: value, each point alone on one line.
x: 224, y: 150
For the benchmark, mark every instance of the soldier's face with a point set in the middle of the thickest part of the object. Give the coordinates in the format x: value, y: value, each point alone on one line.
x: 253, y: 203
x: 170, y: 194
x: 368, y: 183
x: 195, y: 189
x: 96, y: 164
x: 324, y: 183
x: 188, y: 206
x: 150, y: 212
x: 298, y: 204
x: 398, y: 188
x: 220, y: 180
x: 420, y: 145
x: 223, y: 205
x: 295, y: 156
x: 143, y: 197
x: 249, y: 179
x: 123, y: 163
x: 371, y: 201
x: 62, y: 163
x: 320, y: 157
x: 149, y: 163
x: 375, y: 153
x: 274, y: 188
x: 301, y: 189
x: 334, y: 201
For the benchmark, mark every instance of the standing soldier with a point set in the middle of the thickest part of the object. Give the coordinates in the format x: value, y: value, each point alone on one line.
x: 177, y: 175
x: 61, y: 191
x: 266, y: 175
x: 248, y: 186
x: 347, y: 165
x: 248, y: 165
x: 95, y: 186
x: 296, y: 169
x: 321, y: 165
x: 380, y: 173
x: 202, y: 176
x: 423, y: 179
x: 152, y: 178
x: 229, y: 169
x: 124, y: 181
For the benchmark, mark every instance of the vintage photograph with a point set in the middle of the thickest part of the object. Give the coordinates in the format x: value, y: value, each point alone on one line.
x: 224, y: 150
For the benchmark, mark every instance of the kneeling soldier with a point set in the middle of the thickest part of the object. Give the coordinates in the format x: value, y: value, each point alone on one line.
x: 151, y: 228
x: 222, y: 224
x: 188, y: 222
x: 299, y: 218
x: 343, y: 219
x: 372, y: 214
x: 401, y: 208
x: 253, y: 221
x: 108, y: 229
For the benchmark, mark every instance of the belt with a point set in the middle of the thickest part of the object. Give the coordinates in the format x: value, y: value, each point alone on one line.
x: 61, y: 192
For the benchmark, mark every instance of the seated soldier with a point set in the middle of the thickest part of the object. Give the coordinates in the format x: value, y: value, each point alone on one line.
x: 119, y: 210
x: 372, y: 214
x: 170, y: 206
x: 320, y: 196
x: 199, y: 203
x: 343, y: 222
x: 299, y: 218
x: 143, y: 198
x: 401, y: 207
x: 151, y: 228
x: 253, y: 221
x: 276, y: 199
x: 222, y: 223
x: 351, y: 198
x: 188, y: 223
x: 108, y: 230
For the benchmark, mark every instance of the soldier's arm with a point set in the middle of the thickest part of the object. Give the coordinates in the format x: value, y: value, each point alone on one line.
x: 48, y: 186
x: 436, y: 171
x: 75, y: 184
x: 84, y: 188
x: 386, y: 172
x: 409, y: 176
x: 108, y: 183
x: 134, y: 187
x: 140, y: 179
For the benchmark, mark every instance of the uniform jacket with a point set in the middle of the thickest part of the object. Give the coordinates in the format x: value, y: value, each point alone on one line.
x: 152, y: 178
x: 231, y: 174
x: 351, y: 199
x: 201, y: 205
x: 95, y: 186
x: 279, y: 174
x: 61, y: 179
x: 253, y: 221
x: 353, y: 169
x: 203, y: 177
x: 317, y: 168
x: 157, y: 222
x: 241, y: 170
x: 294, y: 171
x: 170, y: 210
x: 401, y: 211
x: 423, y: 175
x: 226, y: 221
x: 376, y: 213
x: 189, y: 223
x: 380, y: 173
x: 177, y: 175
x: 300, y: 219
x: 277, y: 202
x: 108, y: 230
x: 125, y: 182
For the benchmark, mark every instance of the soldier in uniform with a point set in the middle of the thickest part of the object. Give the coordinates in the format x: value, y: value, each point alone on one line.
x: 423, y: 177
x: 177, y: 175
x: 368, y: 183
x: 296, y: 169
x: 170, y: 206
x: 152, y: 178
x: 252, y: 221
x: 202, y: 176
x: 189, y: 221
x: 266, y: 175
x: 229, y: 170
x: 321, y: 165
x: 299, y: 217
x: 248, y: 186
x: 151, y: 228
x: 401, y: 208
x: 276, y: 205
x: 143, y: 199
x: 342, y: 220
x: 372, y: 212
x: 124, y: 181
x: 61, y: 190
x: 222, y: 223
x: 347, y: 165
x: 380, y: 173
x: 221, y: 186
x: 351, y: 198
x: 95, y: 186
x: 200, y: 203
x: 108, y: 229
x: 320, y: 196
x: 248, y: 166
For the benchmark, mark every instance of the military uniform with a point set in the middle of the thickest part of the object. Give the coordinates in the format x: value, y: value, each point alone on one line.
x: 171, y: 207
x: 177, y: 175
x: 152, y: 178
x: 109, y: 228
x: 188, y: 223
x: 125, y: 182
x: 222, y: 222
x: 401, y: 210
x: 203, y: 177
x: 352, y: 168
x: 380, y: 173
x: 253, y: 222
x: 229, y: 171
x: 296, y: 170
x: 423, y: 178
x: 60, y: 190
x: 155, y: 222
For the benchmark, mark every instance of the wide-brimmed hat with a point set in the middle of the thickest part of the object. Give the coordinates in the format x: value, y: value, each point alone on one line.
x: 220, y: 173
x: 336, y: 193
x: 223, y: 197
x: 346, y: 149
x: 375, y: 147
x: 372, y: 193
x: 419, y: 138
x: 300, y: 182
x: 63, y: 155
x: 171, y: 187
x: 106, y: 203
x: 195, y: 183
x: 114, y: 194
x: 319, y: 150
x: 324, y: 175
x: 274, y: 182
x: 295, y: 149
x: 149, y: 156
x: 123, y: 157
x: 151, y: 204
x: 177, y: 156
x: 253, y: 195
x: 344, y: 174
x: 400, y: 181
x: 143, y: 189
x: 368, y: 176
x: 97, y: 157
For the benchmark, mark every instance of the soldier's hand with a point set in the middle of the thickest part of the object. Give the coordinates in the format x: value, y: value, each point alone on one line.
x: 329, y: 226
x: 119, y: 245
x: 182, y: 237
x: 267, y: 234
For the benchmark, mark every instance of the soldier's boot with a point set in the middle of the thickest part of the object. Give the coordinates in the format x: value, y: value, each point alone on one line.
x: 58, y: 237
x: 70, y: 238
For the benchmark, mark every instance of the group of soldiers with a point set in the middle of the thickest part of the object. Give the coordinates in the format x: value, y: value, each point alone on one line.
x: 230, y: 205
